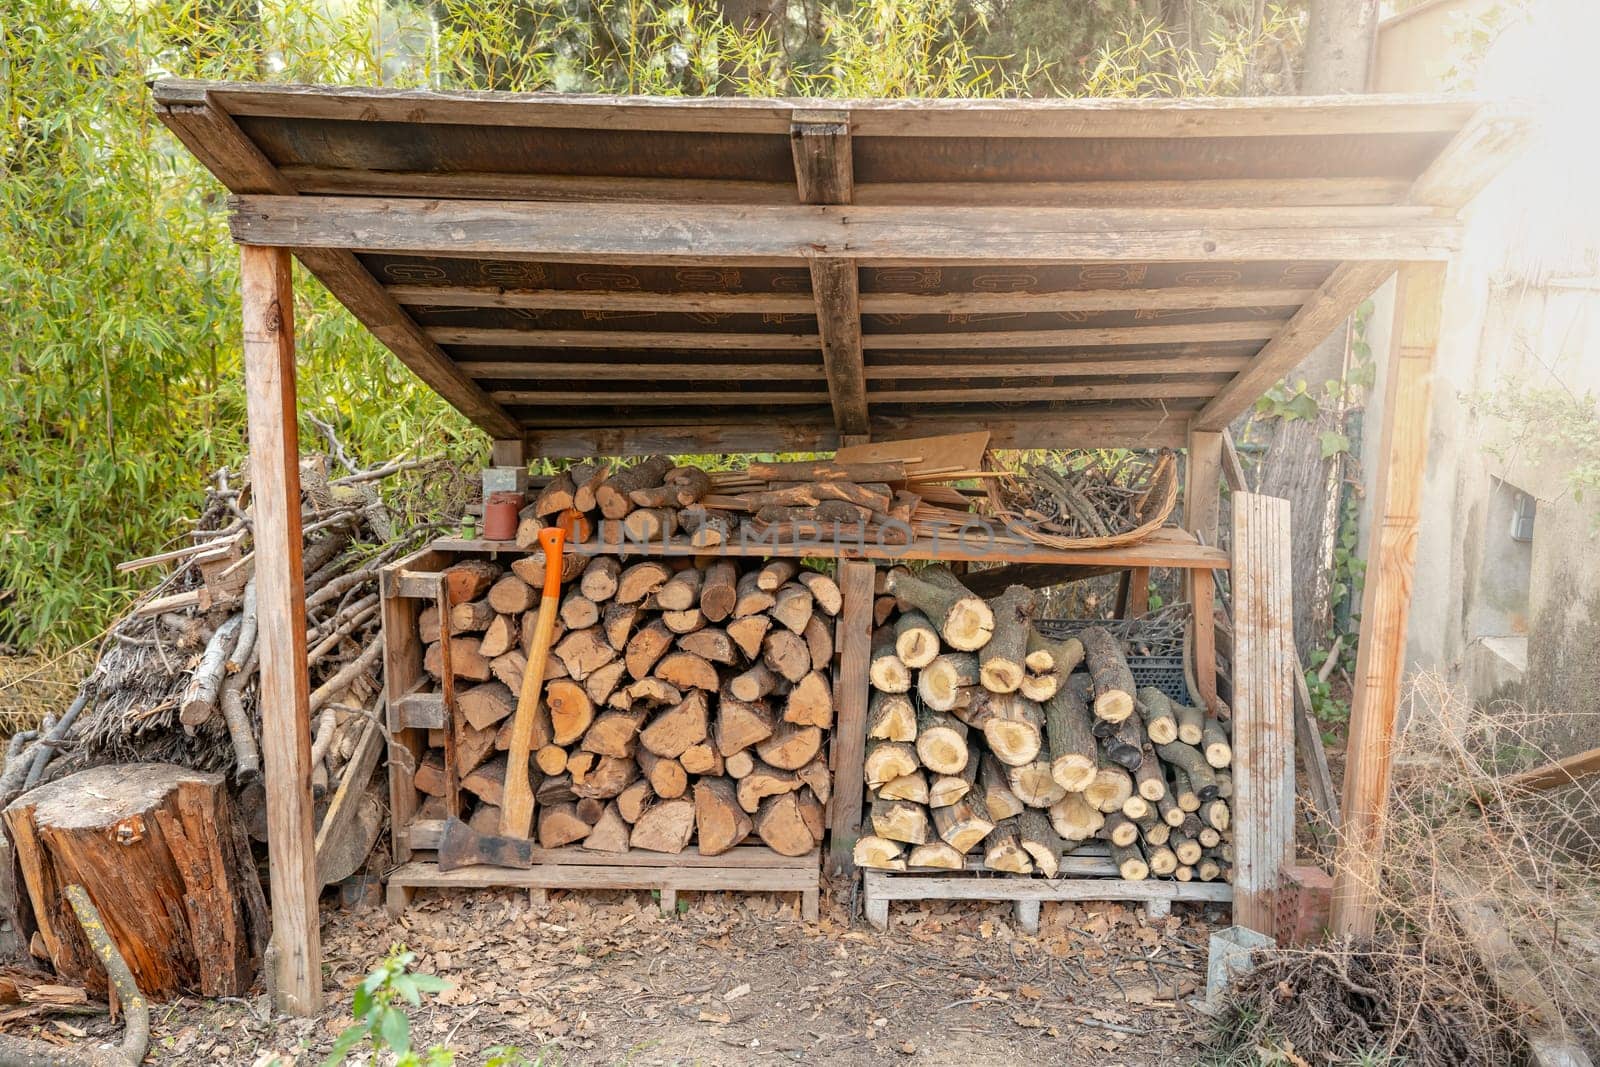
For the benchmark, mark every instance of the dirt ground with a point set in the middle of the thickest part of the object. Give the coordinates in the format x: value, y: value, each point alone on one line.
x: 604, y: 978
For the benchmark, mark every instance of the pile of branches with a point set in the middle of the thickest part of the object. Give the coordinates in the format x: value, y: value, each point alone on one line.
x: 1348, y: 1004
x: 1100, y: 497
x: 177, y: 678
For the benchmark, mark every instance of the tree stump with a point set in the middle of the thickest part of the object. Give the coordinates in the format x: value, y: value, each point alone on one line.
x: 163, y: 857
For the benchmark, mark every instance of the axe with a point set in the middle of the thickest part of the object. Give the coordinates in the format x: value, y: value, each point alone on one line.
x: 462, y: 846
x: 516, y: 806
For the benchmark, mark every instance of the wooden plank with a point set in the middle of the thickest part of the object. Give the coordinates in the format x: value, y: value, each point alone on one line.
x: 640, y: 339
x: 1195, y: 192
x: 835, y: 285
x: 881, y: 885
x: 659, y: 397
x: 314, y: 179
x: 403, y: 676
x: 1263, y: 696
x: 958, y: 451
x: 219, y: 143
x: 1079, y: 337
x: 747, y: 857
x: 1386, y: 602
x: 1473, y: 157
x: 486, y: 296
x: 1177, y: 298
x: 346, y: 802
x: 851, y: 689
x: 1349, y: 284
x: 1202, y: 499
x: 265, y: 281
x: 658, y: 233
x: 1164, y: 548
x: 1555, y: 775
x: 529, y: 370
x: 1023, y: 393
x: 1084, y: 117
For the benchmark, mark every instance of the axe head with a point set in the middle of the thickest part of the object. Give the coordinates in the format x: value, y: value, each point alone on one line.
x: 462, y: 846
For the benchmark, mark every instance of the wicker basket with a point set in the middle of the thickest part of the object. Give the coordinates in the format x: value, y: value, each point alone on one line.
x: 1155, y: 506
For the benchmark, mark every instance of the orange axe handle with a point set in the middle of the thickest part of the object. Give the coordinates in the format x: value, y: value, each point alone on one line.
x: 516, y: 807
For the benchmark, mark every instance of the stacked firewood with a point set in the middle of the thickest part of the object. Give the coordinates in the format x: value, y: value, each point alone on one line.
x: 682, y: 701
x: 985, y: 740
x: 653, y: 500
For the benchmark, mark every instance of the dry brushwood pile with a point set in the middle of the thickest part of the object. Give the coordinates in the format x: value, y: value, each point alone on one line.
x: 682, y: 702
x: 986, y: 742
x: 1086, y: 501
x: 177, y: 678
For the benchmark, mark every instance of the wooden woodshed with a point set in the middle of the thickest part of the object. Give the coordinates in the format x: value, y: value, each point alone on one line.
x: 587, y: 275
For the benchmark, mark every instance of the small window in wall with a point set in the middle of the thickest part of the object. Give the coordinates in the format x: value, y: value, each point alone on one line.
x: 1500, y: 590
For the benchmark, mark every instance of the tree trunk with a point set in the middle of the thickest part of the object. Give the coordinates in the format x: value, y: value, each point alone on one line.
x: 160, y: 852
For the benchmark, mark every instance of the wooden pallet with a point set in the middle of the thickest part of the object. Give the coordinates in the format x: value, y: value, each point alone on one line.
x: 1087, y: 874
x: 750, y: 869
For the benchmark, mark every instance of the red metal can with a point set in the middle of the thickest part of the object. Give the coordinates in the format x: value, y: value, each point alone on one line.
x: 500, y: 516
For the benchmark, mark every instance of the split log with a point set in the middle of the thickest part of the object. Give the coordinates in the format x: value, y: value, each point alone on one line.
x: 946, y: 789
x: 651, y: 692
x: 719, y: 590
x: 633, y: 800
x: 960, y: 825
x: 614, y: 733
x: 763, y: 782
x: 877, y: 853
x: 781, y: 824
x: 819, y: 642
x: 1013, y: 728
x: 712, y: 645
x: 775, y: 573
x: 941, y: 682
x: 617, y: 622
x: 719, y: 820
x: 609, y: 833
x: 885, y: 670
x: 891, y: 717
x: 484, y: 705
x: 612, y: 495
x: 571, y: 710
x: 599, y: 579
x: 557, y: 494
x: 810, y: 702
x: 641, y: 580
x: 501, y: 637
x: 999, y: 801
x: 963, y: 620
x: 577, y: 611
x: 1113, y: 682
x: 941, y: 742
x: 824, y: 591
x: 916, y: 642
x: 605, y: 778
x: 912, y: 787
x: 1034, y: 784
x: 887, y: 760
x: 749, y: 633
x: 162, y: 852
x: 205, y: 682
x: 1215, y: 813
x: 472, y: 617
x: 512, y: 596
x: 487, y: 781
x: 469, y: 579
x: 702, y: 757
x: 817, y: 778
x: 1046, y: 654
x: 555, y: 789
x: 790, y: 747
x: 935, y: 855
x: 786, y: 653
x: 664, y: 827
x: 1073, y: 758
x: 883, y: 607
x: 674, y: 730
x: 1040, y: 841
x: 667, y: 776
x: 750, y: 598
x: 1075, y: 819
x: 465, y: 660
x: 603, y: 681
x: 1001, y: 666
x: 687, y: 671
x: 900, y: 820
x: 582, y: 651
x: 1004, y: 852
x: 690, y: 485
x: 530, y: 568
x: 741, y: 723
x: 792, y: 607
x: 822, y: 470
x: 647, y: 646
x: 646, y: 525
x: 707, y: 529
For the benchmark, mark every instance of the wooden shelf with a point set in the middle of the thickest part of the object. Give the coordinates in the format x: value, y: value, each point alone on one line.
x: 1166, y: 548
x: 745, y: 869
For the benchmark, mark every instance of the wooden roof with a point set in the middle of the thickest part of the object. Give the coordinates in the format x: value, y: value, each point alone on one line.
x: 613, y: 274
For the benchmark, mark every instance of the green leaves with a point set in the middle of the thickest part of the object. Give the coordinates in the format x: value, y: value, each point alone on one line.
x: 381, y: 1017
x: 1333, y: 443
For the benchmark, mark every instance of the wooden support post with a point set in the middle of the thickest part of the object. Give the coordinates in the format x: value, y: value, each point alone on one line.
x: 1202, y: 508
x: 850, y: 699
x: 1386, y: 601
x: 1133, y: 593
x: 1263, y: 706
x: 510, y: 452
x: 265, y: 281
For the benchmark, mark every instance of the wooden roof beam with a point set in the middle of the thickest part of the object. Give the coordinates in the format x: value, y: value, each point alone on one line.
x: 212, y: 135
x: 1474, y: 156
x: 824, y: 172
x: 680, y: 233
x: 1349, y: 284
